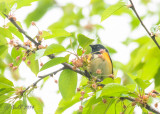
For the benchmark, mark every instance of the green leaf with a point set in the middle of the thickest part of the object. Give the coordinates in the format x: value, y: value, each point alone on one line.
x: 53, y: 62
x: 79, y: 52
x: 54, y: 48
x: 157, y: 80
x: 36, y: 104
x: 22, y: 3
x: 117, y: 80
x: 98, y: 93
x: 5, y: 32
x: 107, y: 81
x: 83, y: 40
x: 34, y: 66
x: 3, y: 51
x: 5, y: 83
x: 15, y: 53
x: 68, y: 84
x: 2, y: 66
x: 4, y: 97
x: 42, y: 7
x: 131, y: 87
x: 114, y: 89
x: 141, y: 83
x: 111, y: 10
x: 19, y: 108
x: 102, y: 108
x: 39, y: 53
x: 5, y: 108
x: 15, y: 31
x: 148, y: 71
x: 25, y: 103
x: 88, y: 105
x: 63, y: 104
x: 6, y: 90
x: 56, y: 33
x: 3, y: 41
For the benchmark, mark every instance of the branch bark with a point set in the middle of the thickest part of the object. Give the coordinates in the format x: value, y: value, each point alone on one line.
x: 152, y: 36
x: 21, y: 30
x: 148, y: 107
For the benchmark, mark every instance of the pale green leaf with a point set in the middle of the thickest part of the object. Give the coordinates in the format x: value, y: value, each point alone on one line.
x: 42, y: 7
x: 39, y: 53
x: 56, y: 33
x: 111, y: 10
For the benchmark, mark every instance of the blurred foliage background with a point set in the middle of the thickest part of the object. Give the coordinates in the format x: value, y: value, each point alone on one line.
x: 144, y: 62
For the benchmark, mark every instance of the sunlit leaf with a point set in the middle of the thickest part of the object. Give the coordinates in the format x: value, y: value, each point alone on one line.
x: 42, y: 8
x: 111, y: 10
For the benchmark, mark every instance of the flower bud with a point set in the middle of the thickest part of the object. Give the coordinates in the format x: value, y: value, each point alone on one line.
x: 98, y: 71
x: 33, y: 23
x: 78, y: 89
x: 82, y: 93
x: 23, y: 58
x: 81, y: 98
x: 10, y: 64
x: 80, y: 108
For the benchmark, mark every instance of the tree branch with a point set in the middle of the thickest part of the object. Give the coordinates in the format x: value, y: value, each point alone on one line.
x: 21, y: 30
x: 152, y: 36
x: 146, y: 105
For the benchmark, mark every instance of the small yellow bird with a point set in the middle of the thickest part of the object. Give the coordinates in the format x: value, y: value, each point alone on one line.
x: 100, y: 64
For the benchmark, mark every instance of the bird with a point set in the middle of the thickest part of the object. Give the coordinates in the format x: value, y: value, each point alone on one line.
x: 100, y: 64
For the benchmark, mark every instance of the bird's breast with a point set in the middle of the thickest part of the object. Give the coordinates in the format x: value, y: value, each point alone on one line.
x: 102, y: 63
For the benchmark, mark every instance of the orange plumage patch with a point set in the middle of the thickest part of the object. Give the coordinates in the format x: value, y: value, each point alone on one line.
x: 107, y: 58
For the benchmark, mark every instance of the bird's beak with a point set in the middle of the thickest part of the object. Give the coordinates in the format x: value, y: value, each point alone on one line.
x: 91, y: 46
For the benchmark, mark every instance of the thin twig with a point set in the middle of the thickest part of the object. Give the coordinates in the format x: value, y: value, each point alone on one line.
x: 152, y: 36
x: 52, y: 73
x: 40, y: 78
